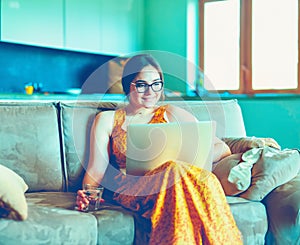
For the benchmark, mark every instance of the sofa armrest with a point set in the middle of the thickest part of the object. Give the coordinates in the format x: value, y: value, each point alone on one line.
x: 283, y: 207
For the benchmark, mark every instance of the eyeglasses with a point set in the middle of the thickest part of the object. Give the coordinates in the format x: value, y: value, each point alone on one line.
x: 141, y: 86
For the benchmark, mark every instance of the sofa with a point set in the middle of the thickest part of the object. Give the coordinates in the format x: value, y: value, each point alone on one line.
x: 45, y: 143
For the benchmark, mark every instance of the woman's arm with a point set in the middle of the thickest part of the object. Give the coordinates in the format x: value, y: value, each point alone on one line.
x: 221, y: 150
x: 99, y: 156
x: 99, y: 144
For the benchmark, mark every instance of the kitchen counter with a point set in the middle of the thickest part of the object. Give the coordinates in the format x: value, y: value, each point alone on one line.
x: 61, y: 97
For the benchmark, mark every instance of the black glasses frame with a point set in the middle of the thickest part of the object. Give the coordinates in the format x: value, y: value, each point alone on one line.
x: 146, y: 86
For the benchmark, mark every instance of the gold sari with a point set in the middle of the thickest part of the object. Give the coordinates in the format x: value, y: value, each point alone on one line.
x: 184, y: 205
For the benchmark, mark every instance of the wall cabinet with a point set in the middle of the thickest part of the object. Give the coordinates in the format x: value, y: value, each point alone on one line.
x: 32, y: 22
x: 107, y: 26
x: 99, y: 26
x: 83, y: 25
x: 122, y: 25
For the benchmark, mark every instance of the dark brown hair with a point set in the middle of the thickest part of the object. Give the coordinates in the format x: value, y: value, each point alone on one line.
x: 134, y: 66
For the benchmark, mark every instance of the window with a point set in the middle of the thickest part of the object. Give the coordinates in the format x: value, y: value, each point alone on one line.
x: 249, y: 46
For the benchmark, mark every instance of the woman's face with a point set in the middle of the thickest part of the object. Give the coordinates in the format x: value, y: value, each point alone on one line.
x: 142, y: 95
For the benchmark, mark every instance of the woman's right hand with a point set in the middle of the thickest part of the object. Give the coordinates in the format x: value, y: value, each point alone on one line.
x: 82, y: 200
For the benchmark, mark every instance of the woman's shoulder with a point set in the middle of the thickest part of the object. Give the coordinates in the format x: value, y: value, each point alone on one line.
x: 176, y: 113
x: 105, y: 115
x: 105, y: 119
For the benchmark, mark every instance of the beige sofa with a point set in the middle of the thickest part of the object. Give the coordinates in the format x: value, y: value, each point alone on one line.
x: 46, y: 143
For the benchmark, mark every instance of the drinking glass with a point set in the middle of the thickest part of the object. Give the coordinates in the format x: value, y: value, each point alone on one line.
x: 94, y: 195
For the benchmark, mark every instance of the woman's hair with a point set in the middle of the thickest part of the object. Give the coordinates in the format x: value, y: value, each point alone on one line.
x: 134, y: 66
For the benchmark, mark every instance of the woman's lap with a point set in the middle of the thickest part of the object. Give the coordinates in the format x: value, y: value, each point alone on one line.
x: 184, y: 203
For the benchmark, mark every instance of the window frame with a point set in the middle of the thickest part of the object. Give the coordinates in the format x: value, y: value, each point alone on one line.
x: 245, y: 66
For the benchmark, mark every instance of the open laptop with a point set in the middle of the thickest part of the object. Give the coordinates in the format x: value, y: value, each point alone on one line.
x: 150, y: 145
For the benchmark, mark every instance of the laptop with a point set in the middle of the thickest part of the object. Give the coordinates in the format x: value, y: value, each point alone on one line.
x: 150, y: 145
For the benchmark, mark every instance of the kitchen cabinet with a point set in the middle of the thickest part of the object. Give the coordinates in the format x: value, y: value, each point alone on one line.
x: 33, y: 22
x: 97, y: 26
x: 83, y: 25
x: 105, y: 26
x: 122, y: 25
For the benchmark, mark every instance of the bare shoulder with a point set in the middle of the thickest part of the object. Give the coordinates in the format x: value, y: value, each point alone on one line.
x: 104, y: 121
x: 175, y: 113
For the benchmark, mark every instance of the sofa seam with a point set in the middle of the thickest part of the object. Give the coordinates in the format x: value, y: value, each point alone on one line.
x: 62, y: 148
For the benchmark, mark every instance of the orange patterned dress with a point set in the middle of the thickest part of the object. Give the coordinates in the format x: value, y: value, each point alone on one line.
x: 185, y: 205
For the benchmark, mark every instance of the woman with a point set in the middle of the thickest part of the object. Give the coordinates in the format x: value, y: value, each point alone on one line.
x: 192, y: 210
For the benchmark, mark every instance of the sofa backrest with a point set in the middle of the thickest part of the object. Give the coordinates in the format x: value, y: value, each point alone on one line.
x: 47, y: 143
x: 30, y: 143
x: 76, y: 121
x: 227, y: 114
x: 77, y: 118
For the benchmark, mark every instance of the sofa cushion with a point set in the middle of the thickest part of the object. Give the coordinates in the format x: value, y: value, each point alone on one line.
x: 77, y: 119
x: 114, y: 224
x: 227, y: 114
x: 30, y: 143
x: 251, y: 219
x: 12, y: 200
x: 50, y: 224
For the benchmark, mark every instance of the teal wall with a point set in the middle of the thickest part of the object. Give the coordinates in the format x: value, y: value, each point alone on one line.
x: 165, y: 28
x: 165, y: 25
x: 276, y: 117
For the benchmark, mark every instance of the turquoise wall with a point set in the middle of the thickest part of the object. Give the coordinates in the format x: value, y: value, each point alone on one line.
x: 165, y: 25
x: 165, y: 30
x: 276, y: 117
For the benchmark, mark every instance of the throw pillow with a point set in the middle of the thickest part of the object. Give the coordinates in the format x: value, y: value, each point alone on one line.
x: 222, y: 169
x: 273, y: 168
x: 244, y: 144
x: 234, y: 171
x: 115, y: 72
x: 13, y: 204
